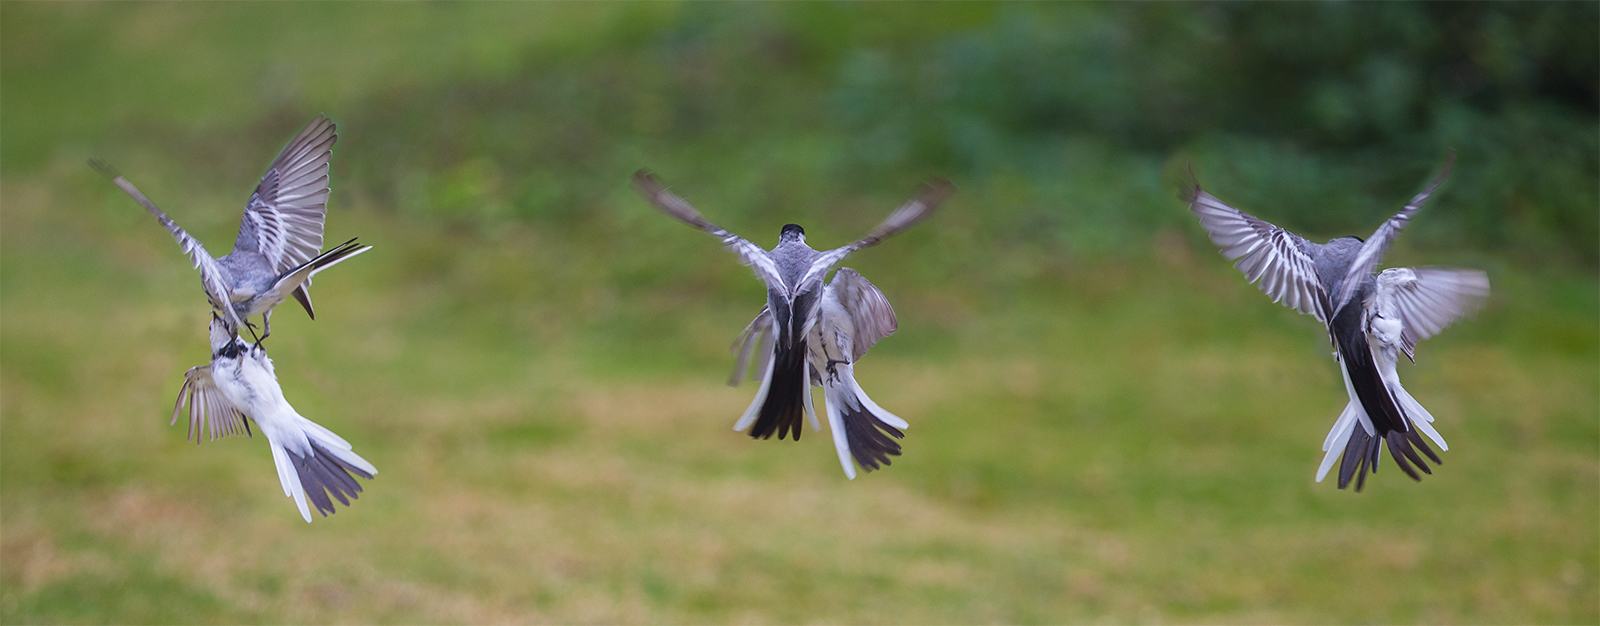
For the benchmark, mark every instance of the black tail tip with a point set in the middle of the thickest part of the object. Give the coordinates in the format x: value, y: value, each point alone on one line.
x: 872, y: 442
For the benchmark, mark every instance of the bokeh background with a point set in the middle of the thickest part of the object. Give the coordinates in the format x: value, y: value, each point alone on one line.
x: 1108, y: 423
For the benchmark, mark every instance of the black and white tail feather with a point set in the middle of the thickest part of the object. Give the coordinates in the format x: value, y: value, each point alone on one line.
x: 312, y: 462
x: 1405, y: 305
x: 861, y: 429
x: 784, y: 396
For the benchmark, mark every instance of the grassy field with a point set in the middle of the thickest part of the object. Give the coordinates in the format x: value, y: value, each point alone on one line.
x: 1108, y: 424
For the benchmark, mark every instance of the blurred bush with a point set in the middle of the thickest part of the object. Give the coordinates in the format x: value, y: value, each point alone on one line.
x: 1323, y: 116
x: 1315, y: 97
x: 1070, y: 123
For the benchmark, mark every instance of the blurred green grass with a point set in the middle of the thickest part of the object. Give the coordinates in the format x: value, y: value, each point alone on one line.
x: 1108, y: 424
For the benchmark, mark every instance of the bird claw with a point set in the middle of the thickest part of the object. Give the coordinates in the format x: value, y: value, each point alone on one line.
x: 833, y: 370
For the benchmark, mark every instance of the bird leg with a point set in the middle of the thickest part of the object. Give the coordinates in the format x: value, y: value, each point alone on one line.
x: 252, y: 328
x: 266, y: 330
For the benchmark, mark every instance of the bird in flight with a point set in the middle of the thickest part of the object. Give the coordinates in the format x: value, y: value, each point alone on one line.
x: 1371, y: 320
x: 240, y: 383
x: 851, y: 317
x: 279, y: 245
x: 845, y: 316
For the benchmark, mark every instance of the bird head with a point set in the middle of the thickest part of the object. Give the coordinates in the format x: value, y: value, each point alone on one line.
x: 221, y: 337
x: 1351, y: 243
x: 792, y: 232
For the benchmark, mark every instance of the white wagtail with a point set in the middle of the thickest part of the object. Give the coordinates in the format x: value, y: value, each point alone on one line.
x: 280, y: 236
x: 851, y: 317
x: 1391, y: 313
x: 240, y: 382
x: 801, y: 310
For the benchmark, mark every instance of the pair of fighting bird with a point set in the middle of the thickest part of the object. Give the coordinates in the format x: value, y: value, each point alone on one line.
x: 812, y: 330
x: 278, y: 250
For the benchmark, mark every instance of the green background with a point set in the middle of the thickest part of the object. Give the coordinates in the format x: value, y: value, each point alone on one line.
x: 1108, y: 423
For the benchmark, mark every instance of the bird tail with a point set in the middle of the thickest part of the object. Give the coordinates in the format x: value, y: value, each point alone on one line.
x: 1349, y: 421
x: 784, y: 396
x: 1386, y: 418
x: 1409, y: 407
x: 302, y: 274
x: 315, y: 463
x: 1354, y: 415
x: 1360, y: 454
x: 1361, y: 450
x: 1360, y: 447
x: 861, y: 428
x: 1417, y: 415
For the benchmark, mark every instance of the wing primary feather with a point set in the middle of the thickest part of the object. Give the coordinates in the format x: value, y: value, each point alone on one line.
x: 929, y: 197
x: 760, y: 261
x: 1273, y: 259
x: 1373, y: 249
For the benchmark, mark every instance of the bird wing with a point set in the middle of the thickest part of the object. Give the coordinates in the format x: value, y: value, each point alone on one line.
x: 209, y: 410
x: 932, y: 194
x: 749, y: 253
x: 213, y: 278
x: 869, y: 311
x: 284, y: 218
x: 1373, y: 249
x: 755, y: 340
x: 1430, y: 299
x: 1264, y: 252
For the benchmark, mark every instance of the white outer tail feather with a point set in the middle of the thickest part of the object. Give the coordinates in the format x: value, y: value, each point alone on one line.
x: 750, y: 414
x: 847, y: 392
x: 887, y: 417
x: 289, y: 479
x: 1413, y: 410
x: 1387, y: 358
x: 811, y: 411
x: 1343, y: 427
x: 1339, y: 436
x: 833, y: 396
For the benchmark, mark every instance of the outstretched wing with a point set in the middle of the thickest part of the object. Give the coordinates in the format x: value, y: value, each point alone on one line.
x: 755, y: 340
x: 284, y: 218
x: 1430, y: 299
x: 1272, y: 255
x: 932, y: 194
x: 870, y: 312
x: 213, y: 278
x: 1373, y: 249
x: 209, y: 411
x: 749, y: 253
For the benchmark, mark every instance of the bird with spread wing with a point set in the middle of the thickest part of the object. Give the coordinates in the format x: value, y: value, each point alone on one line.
x: 279, y: 247
x: 812, y: 331
x: 1371, y: 320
